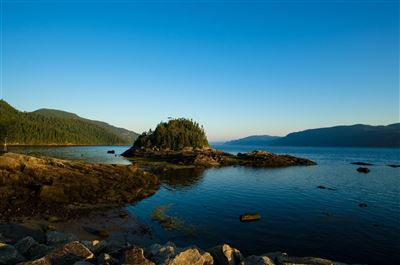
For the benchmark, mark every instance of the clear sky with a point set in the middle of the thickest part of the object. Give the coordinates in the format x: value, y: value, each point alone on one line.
x: 237, y: 67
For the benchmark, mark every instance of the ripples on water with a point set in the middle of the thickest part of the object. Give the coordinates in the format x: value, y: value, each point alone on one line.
x: 297, y: 217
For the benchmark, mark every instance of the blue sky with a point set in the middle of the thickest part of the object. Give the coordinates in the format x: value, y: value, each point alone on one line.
x: 237, y: 67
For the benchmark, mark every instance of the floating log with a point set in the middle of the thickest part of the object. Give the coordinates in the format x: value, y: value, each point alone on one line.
x: 249, y: 217
x: 111, y: 152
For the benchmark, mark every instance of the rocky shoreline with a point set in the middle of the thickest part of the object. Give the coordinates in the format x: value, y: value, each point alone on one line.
x: 209, y: 157
x: 33, y: 186
x: 60, y: 192
x: 59, y: 248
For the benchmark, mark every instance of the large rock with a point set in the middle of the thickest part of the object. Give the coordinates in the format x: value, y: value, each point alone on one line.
x: 135, y: 256
x: 65, y: 255
x: 226, y: 255
x: 258, y: 260
x: 9, y: 255
x: 106, y: 259
x: 37, y: 251
x: 161, y: 254
x: 41, y: 261
x: 169, y: 254
x: 25, y: 244
x: 95, y: 246
x: 58, y: 238
x: 192, y: 256
x: 276, y: 257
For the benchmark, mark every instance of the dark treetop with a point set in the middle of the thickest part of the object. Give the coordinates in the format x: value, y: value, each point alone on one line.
x: 176, y: 134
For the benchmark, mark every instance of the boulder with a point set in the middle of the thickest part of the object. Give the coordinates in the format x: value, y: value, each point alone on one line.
x: 161, y: 254
x: 192, y: 256
x: 96, y: 246
x: 67, y: 254
x: 25, y: 244
x: 41, y: 261
x: 258, y: 260
x: 276, y: 257
x: 135, y: 256
x: 58, y: 238
x: 37, y: 251
x: 226, y: 255
x: 9, y: 255
x: 106, y: 259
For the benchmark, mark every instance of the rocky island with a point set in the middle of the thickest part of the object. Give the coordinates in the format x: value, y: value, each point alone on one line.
x: 183, y: 142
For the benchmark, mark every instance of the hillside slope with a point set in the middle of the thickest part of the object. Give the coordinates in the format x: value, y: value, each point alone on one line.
x: 54, y: 127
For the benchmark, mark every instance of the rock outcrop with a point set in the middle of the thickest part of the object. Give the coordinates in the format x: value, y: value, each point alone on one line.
x: 31, y: 185
x: 208, y: 157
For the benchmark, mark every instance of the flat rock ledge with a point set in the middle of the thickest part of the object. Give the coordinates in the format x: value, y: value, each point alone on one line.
x: 70, y: 251
x: 209, y: 157
x: 31, y: 185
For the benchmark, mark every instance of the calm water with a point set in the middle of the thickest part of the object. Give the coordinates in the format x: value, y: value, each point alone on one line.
x: 297, y: 218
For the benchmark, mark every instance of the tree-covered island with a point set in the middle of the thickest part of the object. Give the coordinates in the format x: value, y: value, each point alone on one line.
x: 182, y: 141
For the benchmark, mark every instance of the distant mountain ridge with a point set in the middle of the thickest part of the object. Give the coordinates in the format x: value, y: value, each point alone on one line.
x: 56, y: 127
x: 254, y: 140
x: 358, y: 135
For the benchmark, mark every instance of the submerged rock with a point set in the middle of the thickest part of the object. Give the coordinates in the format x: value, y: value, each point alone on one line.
x: 287, y: 260
x: 361, y: 164
x: 250, y: 217
x: 363, y: 169
x: 9, y: 255
x: 57, y: 238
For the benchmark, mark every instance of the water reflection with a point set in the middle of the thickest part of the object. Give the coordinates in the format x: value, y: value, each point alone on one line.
x: 183, y: 178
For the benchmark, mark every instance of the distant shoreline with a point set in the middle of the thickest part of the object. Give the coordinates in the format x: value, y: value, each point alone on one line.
x: 60, y: 145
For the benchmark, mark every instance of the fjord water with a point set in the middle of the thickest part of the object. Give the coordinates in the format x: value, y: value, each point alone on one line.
x: 297, y: 217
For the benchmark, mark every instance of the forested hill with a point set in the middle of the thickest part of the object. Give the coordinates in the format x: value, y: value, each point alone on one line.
x: 48, y: 127
x: 358, y: 135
